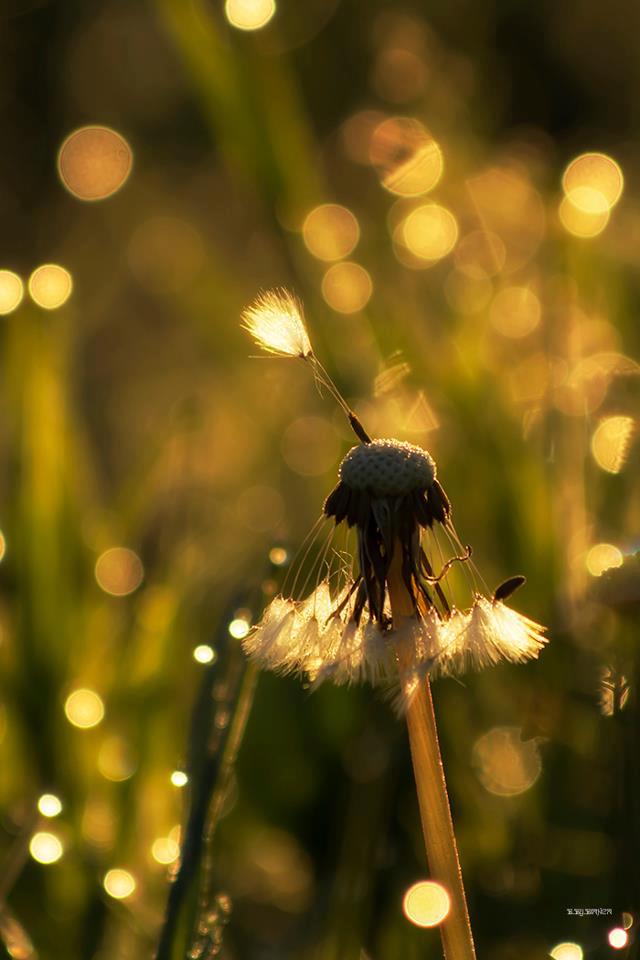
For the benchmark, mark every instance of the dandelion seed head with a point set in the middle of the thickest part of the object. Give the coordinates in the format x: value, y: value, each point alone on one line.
x: 275, y: 322
x: 387, y: 468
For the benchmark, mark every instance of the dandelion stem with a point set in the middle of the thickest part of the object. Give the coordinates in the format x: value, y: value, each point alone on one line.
x: 431, y: 788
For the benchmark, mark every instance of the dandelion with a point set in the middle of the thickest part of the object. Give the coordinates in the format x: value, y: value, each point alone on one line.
x: 388, y: 492
x: 382, y: 615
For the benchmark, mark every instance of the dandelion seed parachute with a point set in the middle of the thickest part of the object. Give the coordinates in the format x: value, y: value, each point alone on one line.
x: 276, y: 324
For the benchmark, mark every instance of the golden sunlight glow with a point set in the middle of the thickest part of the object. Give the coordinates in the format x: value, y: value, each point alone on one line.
x: 11, y: 291
x: 566, y: 951
x: 84, y: 708
x: 45, y: 847
x: 505, y: 764
x: 116, y: 761
x: 618, y: 938
x: 408, y: 160
x: 601, y: 557
x: 3, y: 545
x: 165, y: 850
x: 330, y: 232
x: 610, y: 442
x: 429, y: 232
x: 239, y: 628
x: 50, y: 286
x: 426, y: 903
x: 49, y: 805
x: 94, y: 162
x: 593, y: 182
x: 249, y: 14
x: 347, y: 287
x: 119, y: 571
x: 203, y: 653
x: 119, y: 884
x: 581, y: 223
x: 515, y: 312
x: 179, y: 778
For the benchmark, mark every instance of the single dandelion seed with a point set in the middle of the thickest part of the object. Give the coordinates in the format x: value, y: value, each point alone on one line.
x: 276, y: 324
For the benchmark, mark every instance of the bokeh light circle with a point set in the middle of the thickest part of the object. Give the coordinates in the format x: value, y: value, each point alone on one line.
x: 204, y: 654
x: 429, y: 232
x: 426, y: 903
x: 11, y: 291
x: 49, y: 805
x: 330, y: 231
x: 601, y: 557
x: 50, y: 286
x: 618, y: 938
x: 407, y: 159
x: 347, y: 287
x: 593, y: 181
x: 165, y: 850
x: 505, y: 764
x: 119, y: 571
x: 249, y: 14
x: 119, y: 883
x: 84, y: 708
x: 581, y: 223
x: 567, y: 951
x: 45, y: 847
x: 94, y: 162
x: 610, y: 442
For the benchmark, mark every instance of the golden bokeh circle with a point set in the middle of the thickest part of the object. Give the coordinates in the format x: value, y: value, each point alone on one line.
x: 119, y: 883
x: 594, y: 181
x: 426, y: 903
x: 610, y: 442
x: 347, y: 287
x: 330, y: 231
x: 94, y: 162
x: 567, y: 951
x: 249, y: 14
x: 505, y: 764
x: 50, y: 286
x: 11, y: 291
x: 119, y: 571
x: 429, y: 232
x: 45, y: 847
x: 407, y: 159
x: 84, y: 708
x: 581, y: 223
x: 601, y: 557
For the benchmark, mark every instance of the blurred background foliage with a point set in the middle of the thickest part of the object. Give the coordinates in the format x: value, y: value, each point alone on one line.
x: 417, y: 174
